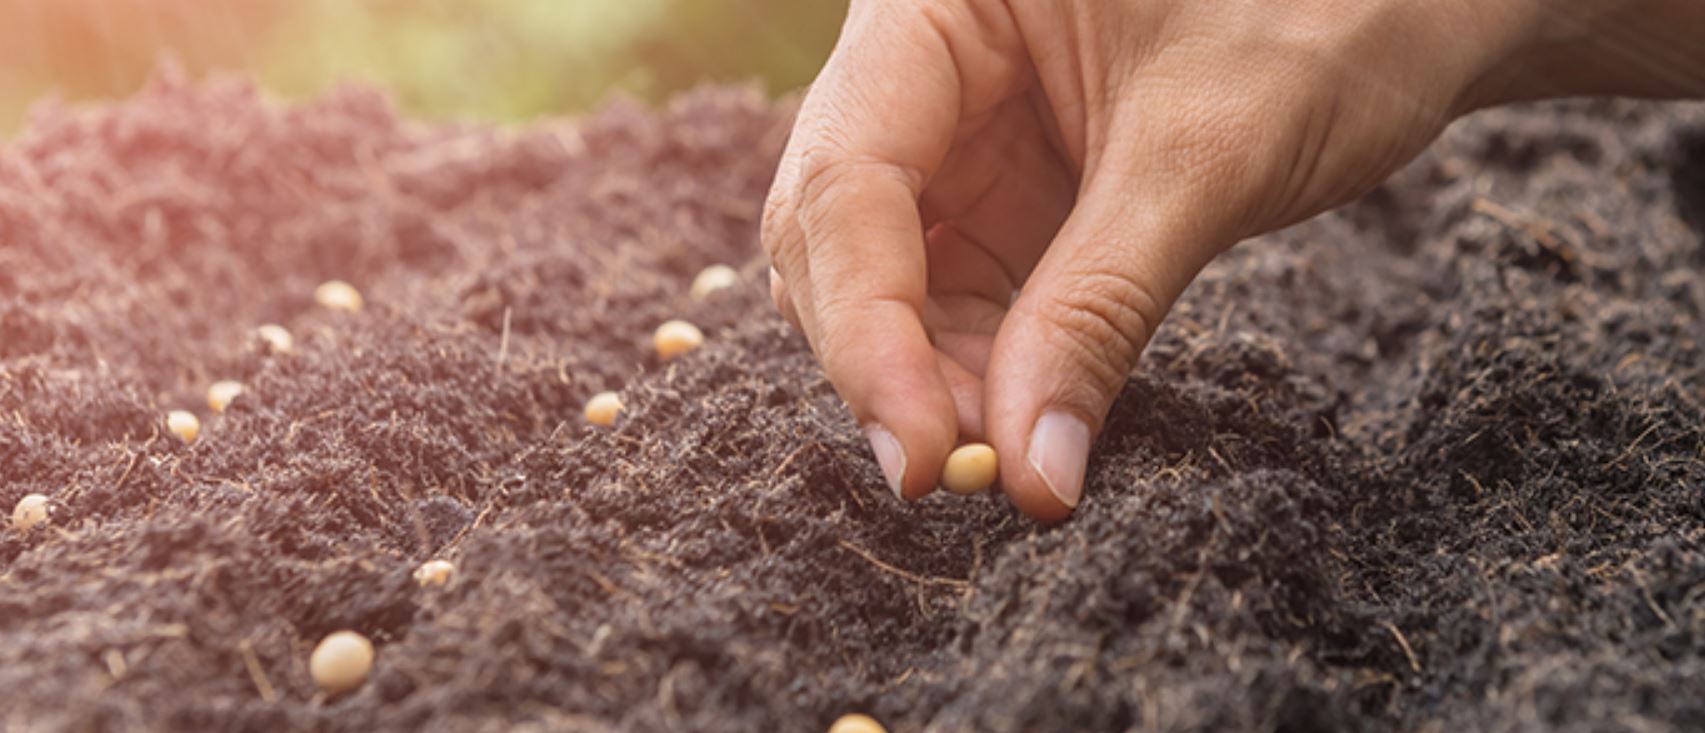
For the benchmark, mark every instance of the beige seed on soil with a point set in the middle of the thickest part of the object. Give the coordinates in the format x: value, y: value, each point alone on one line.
x: 338, y: 295
x: 603, y: 408
x: 183, y: 424
x: 856, y: 723
x: 30, y: 511
x: 434, y: 573
x: 341, y: 662
x: 277, y: 337
x: 675, y: 338
x: 712, y: 279
x: 219, y: 395
x: 970, y: 468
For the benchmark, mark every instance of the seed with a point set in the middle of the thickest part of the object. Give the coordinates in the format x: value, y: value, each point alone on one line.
x: 603, y: 408
x: 856, y: 723
x: 219, y: 395
x: 341, y: 662
x: 184, y: 424
x: 434, y: 573
x: 30, y: 511
x: 675, y: 338
x: 276, y: 337
x: 338, y: 295
x: 970, y: 469
x: 712, y: 279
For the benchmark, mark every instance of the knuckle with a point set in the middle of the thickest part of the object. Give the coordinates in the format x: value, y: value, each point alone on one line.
x: 1105, y: 320
x: 778, y: 292
x: 773, y: 231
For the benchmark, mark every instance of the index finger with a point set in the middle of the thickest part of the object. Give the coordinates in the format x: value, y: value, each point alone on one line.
x: 873, y: 130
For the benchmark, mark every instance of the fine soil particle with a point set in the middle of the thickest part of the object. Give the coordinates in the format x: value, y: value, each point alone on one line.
x: 1435, y: 461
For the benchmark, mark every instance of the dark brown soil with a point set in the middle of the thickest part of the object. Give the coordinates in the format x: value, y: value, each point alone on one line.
x: 1432, y: 462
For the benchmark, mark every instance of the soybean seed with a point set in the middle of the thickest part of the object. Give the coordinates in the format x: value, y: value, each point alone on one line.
x: 970, y: 468
x: 341, y: 662
x: 712, y: 279
x: 30, y: 511
x: 603, y: 408
x: 276, y: 337
x: 183, y: 424
x: 675, y: 338
x: 338, y: 295
x: 219, y: 395
x: 856, y: 723
x: 434, y: 573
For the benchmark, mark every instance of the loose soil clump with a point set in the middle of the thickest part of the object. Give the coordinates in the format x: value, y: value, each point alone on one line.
x: 1435, y: 461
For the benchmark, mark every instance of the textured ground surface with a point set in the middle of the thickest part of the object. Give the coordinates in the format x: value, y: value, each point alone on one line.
x: 1432, y: 462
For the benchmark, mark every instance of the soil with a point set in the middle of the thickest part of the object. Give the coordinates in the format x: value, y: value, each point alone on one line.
x: 1434, y: 461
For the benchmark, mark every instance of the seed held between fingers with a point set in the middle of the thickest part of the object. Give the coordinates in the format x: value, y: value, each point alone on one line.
x: 32, y: 510
x: 603, y: 408
x: 183, y: 424
x: 341, y: 662
x: 970, y: 468
x: 675, y: 338
x: 219, y: 395
x: 338, y: 295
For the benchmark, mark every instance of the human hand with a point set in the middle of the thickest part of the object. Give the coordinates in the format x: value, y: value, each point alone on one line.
x: 1091, y: 156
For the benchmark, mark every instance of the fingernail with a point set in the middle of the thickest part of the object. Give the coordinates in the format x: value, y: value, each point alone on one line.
x: 1059, y: 450
x: 889, y: 455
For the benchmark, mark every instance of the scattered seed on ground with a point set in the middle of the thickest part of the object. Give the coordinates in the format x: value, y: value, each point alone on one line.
x: 341, y: 662
x: 338, y: 295
x: 675, y: 338
x: 277, y: 337
x: 183, y: 424
x: 219, y: 395
x: 856, y: 723
x: 603, y: 408
x: 434, y: 573
x: 31, y: 510
x: 712, y: 279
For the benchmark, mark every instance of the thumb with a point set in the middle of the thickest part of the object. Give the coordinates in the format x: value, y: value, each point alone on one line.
x: 1067, y: 346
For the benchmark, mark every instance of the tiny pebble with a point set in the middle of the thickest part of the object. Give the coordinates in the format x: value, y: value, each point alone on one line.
x: 219, y: 395
x: 30, y: 511
x: 675, y: 338
x: 856, y: 723
x: 712, y: 279
x: 603, y: 408
x: 341, y: 662
x: 183, y: 424
x: 970, y: 468
x: 338, y: 295
x: 434, y: 573
x: 276, y: 337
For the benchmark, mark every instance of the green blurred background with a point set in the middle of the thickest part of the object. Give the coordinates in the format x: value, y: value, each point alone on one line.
x: 497, y: 60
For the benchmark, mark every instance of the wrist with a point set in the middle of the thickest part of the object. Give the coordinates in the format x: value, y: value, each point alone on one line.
x: 1642, y: 48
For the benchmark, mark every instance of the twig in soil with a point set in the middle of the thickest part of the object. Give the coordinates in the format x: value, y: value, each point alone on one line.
x: 1629, y: 452
x: 907, y: 574
x: 127, y: 468
x: 502, y: 344
x: 1646, y: 593
x: 1402, y: 642
x: 788, y: 461
x: 256, y: 674
x: 116, y: 665
x: 454, y: 541
x: 1540, y: 230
